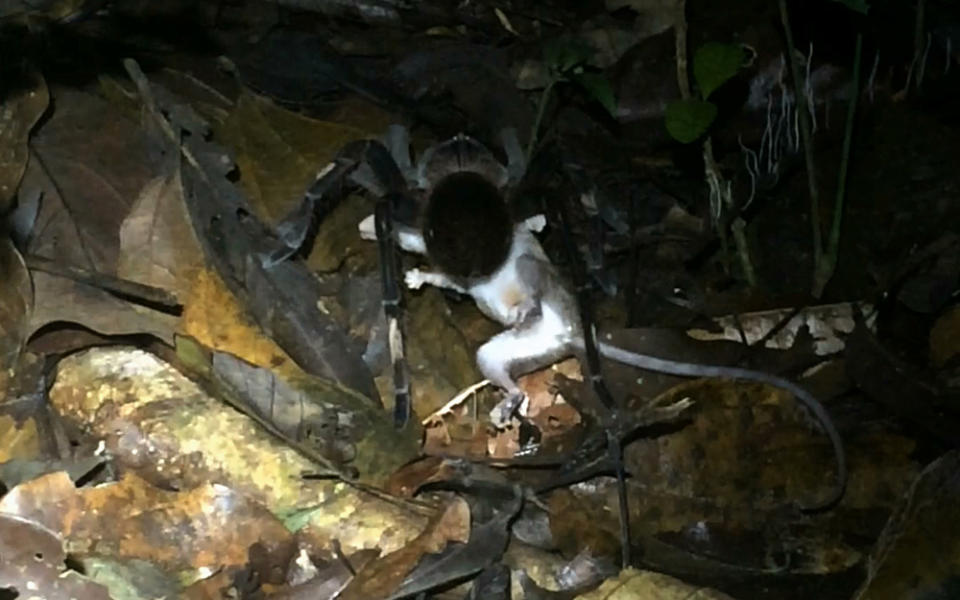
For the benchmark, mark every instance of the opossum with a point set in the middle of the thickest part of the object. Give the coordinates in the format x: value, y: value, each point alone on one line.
x: 527, y: 295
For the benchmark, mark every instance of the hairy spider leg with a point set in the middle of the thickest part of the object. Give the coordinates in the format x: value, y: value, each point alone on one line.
x: 388, y: 174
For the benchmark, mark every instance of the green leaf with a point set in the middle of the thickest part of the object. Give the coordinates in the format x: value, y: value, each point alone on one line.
x: 714, y: 63
x: 298, y: 518
x: 687, y: 120
x: 564, y: 54
x: 859, y: 6
x: 599, y: 89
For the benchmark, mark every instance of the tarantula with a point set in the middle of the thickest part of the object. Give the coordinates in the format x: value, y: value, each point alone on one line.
x: 452, y: 205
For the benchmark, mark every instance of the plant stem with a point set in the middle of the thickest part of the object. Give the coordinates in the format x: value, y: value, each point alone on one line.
x: 803, y: 108
x: 829, y: 264
x: 541, y: 108
x: 738, y: 227
x: 680, y: 40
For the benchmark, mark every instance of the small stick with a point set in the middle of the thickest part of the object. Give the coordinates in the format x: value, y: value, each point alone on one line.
x: 147, y: 295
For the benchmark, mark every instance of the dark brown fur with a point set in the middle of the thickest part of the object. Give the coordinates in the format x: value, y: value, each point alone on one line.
x: 467, y: 226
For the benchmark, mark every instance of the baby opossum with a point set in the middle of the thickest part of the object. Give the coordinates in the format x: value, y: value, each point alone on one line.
x: 506, y: 272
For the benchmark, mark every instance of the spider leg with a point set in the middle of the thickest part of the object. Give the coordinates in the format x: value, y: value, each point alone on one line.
x: 366, y: 163
x: 409, y: 238
x: 388, y: 174
x: 392, y: 309
x: 294, y: 229
x: 516, y: 160
x: 391, y: 199
x: 397, y: 141
x: 592, y: 355
x: 371, y: 165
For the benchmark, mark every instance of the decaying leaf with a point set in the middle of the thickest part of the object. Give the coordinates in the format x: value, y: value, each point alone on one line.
x: 213, y: 317
x: 32, y: 563
x: 342, y: 425
x: 916, y: 554
x: 382, y: 576
x: 827, y: 325
x: 632, y: 584
x: 440, y: 358
x: 16, y: 471
x: 486, y: 545
x: 25, y: 100
x: 16, y: 303
x: 18, y: 440
x: 157, y: 244
x: 280, y: 151
x: 132, y: 578
x: 162, y: 426
x: 90, y: 165
x: 281, y: 298
x: 207, y: 527
x: 945, y: 337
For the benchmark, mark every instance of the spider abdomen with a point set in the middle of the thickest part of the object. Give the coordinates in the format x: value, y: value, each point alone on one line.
x: 467, y: 226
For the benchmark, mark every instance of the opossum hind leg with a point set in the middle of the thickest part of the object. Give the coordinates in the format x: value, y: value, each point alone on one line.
x: 516, y: 352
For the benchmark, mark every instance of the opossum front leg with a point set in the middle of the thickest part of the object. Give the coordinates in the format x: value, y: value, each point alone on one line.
x: 516, y: 352
x: 415, y: 278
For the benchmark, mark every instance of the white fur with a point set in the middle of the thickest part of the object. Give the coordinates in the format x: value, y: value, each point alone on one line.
x: 504, y: 296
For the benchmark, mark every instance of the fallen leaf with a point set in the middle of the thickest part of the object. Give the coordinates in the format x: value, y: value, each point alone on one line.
x: 440, y: 359
x: 212, y: 316
x: 633, y: 584
x: 280, y: 152
x: 131, y: 578
x: 210, y: 526
x: 32, y: 564
x: 916, y: 554
x: 160, y: 425
x: 90, y: 165
x: 24, y: 102
x: 945, y: 337
x: 18, y: 440
x: 157, y: 244
x: 16, y: 304
x: 382, y: 576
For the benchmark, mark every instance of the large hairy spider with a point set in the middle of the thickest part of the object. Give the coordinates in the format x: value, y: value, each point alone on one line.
x: 452, y: 205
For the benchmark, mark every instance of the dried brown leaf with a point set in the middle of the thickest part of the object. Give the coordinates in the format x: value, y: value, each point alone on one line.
x: 384, y: 575
x: 16, y: 303
x: 157, y: 244
x: 32, y: 564
x: 210, y: 526
x: 632, y: 584
x: 90, y: 165
x: 916, y: 554
x: 212, y: 316
x: 25, y: 100
x: 18, y: 440
x: 440, y: 358
x: 280, y: 152
x: 164, y: 427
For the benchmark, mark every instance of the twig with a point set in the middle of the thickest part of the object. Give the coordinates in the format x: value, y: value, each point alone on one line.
x: 541, y: 108
x: 148, y: 295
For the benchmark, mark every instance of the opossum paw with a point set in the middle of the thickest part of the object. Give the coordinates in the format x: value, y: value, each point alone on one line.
x: 414, y: 279
x: 512, y: 404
